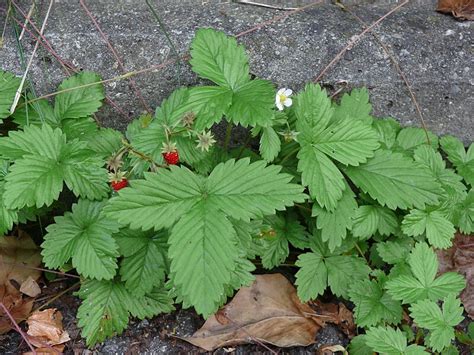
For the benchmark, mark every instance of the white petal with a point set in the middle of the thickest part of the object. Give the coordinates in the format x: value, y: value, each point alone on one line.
x: 288, y: 102
x: 280, y: 106
x: 288, y: 92
x: 281, y: 91
x: 277, y: 100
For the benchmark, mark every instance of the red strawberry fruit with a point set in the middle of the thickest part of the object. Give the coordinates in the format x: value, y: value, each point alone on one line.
x: 118, y: 185
x: 172, y: 158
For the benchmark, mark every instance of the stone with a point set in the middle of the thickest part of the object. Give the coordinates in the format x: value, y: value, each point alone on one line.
x: 433, y: 49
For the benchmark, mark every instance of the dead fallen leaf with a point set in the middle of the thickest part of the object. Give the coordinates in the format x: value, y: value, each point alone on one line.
x: 336, y: 314
x: 18, y: 258
x: 57, y: 349
x: 331, y: 349
x: 18, y: 307
x: 45, y: 328
x: 30, y: 287
x: 269, y: 311
x: 461, y: 9
x: 460, y: 258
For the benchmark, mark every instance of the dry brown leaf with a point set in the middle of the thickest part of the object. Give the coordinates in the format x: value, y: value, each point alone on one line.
x: 46, y: 328
x: 269, y: 311
x: 460, y: 258
x: 461, y: 9
x: 331, y: 349
x: 18, y: 308
x: 57, y: 349
x: 30, y: 287
x: 336, y: 314
x: 18, y: 258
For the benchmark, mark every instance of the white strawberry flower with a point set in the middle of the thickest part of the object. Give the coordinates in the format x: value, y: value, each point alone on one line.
x: 283, y: 98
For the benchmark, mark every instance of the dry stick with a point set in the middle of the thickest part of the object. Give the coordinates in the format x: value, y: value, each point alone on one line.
x: 5, y: 24
x: 63, y: 292
x: 18, y: 329
x: 66, y: 65
x: 41, y: 269
x: 277, y: 18
x: 27, y: 20
x: 20, y: 88
x: 115, y: 54
x: 399, y: 70
x: 246, y: 2
x: 355, y: 39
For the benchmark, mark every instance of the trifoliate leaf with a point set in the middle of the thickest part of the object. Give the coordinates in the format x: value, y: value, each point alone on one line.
x: 334, y: 225
x: 422, y: 282
x: 197, y: 207
x: 82, y: 98
x: 270, y: 144
x: 395, y: 251
x: 370, y: 219
x: 143, y: 266
x: 318, y: 271
x: 324, y: 180
x: 354, y: 106
x: 462, y: 160
x: 396, y: 181
x: 313, y: 110
x: 104, y: 310
x: 252, y: 104
x: 427, y: 314
x: 203, y: 252
x: 105, y: 142
x: 439, y: 230
x: 387, y: 130
x: 43, y: 161
x: 9, y: 84
x: 373, y: 305
x: 7, y: 216
x: 391, y: 342
x: 219, y: 58
x: 209, y: 103
x: 85, y: 235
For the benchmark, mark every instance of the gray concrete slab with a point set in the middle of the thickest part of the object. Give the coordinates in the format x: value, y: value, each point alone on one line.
x: 434, y: 50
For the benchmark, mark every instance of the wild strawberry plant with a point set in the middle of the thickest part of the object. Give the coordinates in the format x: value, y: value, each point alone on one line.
x: 162, y: 214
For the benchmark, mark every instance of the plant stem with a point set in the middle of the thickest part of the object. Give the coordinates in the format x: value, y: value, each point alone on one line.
x: 286, y: 157
x: 228, y: 133
x: 361, y: 253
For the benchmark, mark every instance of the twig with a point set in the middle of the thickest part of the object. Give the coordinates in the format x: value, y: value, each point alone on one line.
x: 63, y: 292
x: 277, y: 18
x: 27, y: 20
x: 18, y: 329
x: 116, y: 56
x: 355, y: 39
x: 5, y: 24
x: 20, y: 88
x: 41, y: 269
x: 397, y: 68
x: 246, y: 2
x: 173, y: 47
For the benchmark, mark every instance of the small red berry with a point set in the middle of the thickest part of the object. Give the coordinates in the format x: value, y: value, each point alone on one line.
x: 118, y: 185
x: 172, y: 158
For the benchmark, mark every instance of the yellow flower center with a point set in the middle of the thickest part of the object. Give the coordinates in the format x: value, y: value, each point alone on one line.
x: 283, y: 97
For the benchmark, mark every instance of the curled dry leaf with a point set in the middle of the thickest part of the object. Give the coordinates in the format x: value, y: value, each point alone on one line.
x: 336, y: 314
x: 268, y: 311
x: 30, y: 287
x: 460, y: 258
x: 461, y: 9
x: 45, y: 328
x: 18, y: 257
x: 331, y: 349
